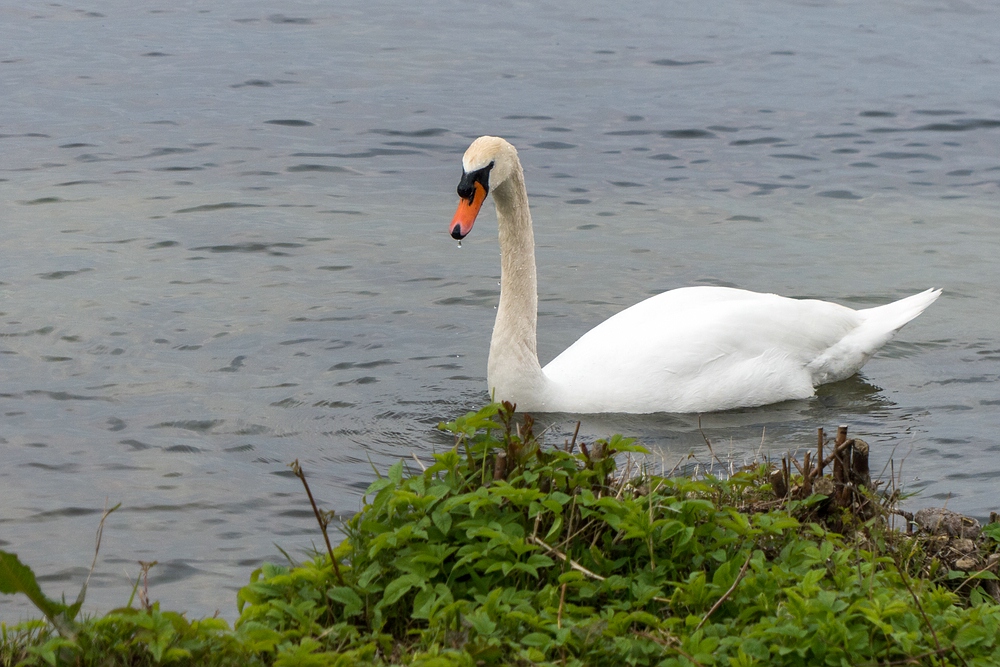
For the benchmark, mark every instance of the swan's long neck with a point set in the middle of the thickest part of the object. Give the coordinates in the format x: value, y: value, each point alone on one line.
x: 513, y: 370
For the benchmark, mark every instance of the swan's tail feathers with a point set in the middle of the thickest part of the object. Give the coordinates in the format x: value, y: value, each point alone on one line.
x: 891, y: 317
x: 878, y: 326
x: 881, y: 323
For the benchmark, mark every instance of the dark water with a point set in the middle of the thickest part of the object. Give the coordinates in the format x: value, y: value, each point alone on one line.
x: 225, y: 244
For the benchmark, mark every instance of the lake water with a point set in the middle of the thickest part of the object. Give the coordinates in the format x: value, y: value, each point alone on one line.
x: 225, y: 244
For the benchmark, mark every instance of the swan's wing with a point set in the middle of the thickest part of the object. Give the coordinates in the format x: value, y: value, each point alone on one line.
x: 698, y: 349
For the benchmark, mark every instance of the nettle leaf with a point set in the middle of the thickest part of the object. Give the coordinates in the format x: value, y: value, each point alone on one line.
x: 367, y: 576
x: 396, y: 472
x: 438, y: 490
x: 353, y: 604
x: 518, y: 496
x: 735, y: 521
x: 399, y: 587
x: 755, y: 648
x: 442, y: 521
x: 619, y: 443
x: 417, y: 484
x: 459, y: 503
x: 481, y: 622
x: 808, y: 583
x: 473, y: 421
x: 695, y: 505
x: 445, y: 461
x: 430, y: 600
x: 775, y: 524
x: 405, y: 498
x: 431, y: 553
x: 259, y: 636
x: 493, y: 530
x: 378, y: 485
x: 970, y: 635
x: 479, y: 501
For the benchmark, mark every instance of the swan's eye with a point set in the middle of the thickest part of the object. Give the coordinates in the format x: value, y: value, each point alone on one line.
x: 482, y: 176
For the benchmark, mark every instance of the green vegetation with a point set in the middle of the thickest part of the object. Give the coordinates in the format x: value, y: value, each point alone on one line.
x: 506, y: 553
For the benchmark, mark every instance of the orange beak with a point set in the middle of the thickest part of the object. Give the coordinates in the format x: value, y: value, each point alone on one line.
x: 467, y: 211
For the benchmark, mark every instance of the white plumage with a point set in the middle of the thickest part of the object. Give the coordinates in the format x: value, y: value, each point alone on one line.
x: 694, y: 349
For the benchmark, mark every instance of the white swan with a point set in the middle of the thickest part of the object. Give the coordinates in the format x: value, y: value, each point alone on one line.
x: 694, y: 349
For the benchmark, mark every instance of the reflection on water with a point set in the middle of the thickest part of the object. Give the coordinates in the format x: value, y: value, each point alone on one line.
x: 226, y: 246
x: 779, y: 427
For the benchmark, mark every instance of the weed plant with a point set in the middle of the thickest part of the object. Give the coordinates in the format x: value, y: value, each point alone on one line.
x: 504, y: 553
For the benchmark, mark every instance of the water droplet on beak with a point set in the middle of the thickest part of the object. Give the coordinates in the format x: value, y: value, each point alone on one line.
x: 460, y: 243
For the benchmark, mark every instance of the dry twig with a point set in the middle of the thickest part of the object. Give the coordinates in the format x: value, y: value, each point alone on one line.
x: 739, y: 577
x: 323, y: 522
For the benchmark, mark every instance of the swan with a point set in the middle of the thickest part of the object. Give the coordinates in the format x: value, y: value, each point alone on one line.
x: 693, y: 349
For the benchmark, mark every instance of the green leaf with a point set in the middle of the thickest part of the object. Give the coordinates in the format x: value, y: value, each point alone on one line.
x: 442, y: 521
x: 481, y: 623
x: 424, y: 603
x: 536, y: 639
x: 969, y: 635
x: 560, y: 497
x: 258, y: 636
x: 755, y: 648
x: 540, y: 560
x: 618, y: 443
x: 396, y: 472
x: 555, y: 530
x: 368, y: 575
x: 302, y: 655
x: 399, y: 587
x: 552, y: 505
x: 378, y: 485
x: 347, y: 597
x: 16, y: 577
x: 49, y: 650
x: 473, y: 421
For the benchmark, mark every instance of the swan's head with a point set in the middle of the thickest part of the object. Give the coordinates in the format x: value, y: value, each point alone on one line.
x: 488, y: 160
